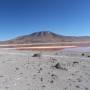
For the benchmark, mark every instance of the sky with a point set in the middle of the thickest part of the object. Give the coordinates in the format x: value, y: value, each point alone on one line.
x: 65, y: 17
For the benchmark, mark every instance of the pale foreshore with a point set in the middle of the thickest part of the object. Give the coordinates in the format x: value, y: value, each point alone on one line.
x: 41, y: 70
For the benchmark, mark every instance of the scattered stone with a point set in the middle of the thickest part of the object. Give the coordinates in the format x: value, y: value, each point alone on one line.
x: 77, y: 86
x: 56, y: 53
x: 17, y: 68
x: 28, y: 84
x: 36, y: 55
x: 73, y: 74
x: 58, y: 66
x: 75, y: 62
x: 86, y: 88
x: 65, y: 88
x: 51, y: 81
x: 88, y: 56
x: 79, y: 80
x: 1, y: 76
x: 20, y: 73
x: 43, y: 86
x: 7, y: 87
x: 41, y: 79
x: 40, y: 70
x: 83, y: 54
x: 53, y: 76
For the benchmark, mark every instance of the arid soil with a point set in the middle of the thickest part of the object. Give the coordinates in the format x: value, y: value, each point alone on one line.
x: 57, y: 70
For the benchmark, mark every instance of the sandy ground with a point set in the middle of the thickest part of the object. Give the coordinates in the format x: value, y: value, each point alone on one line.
x: 57, y: 70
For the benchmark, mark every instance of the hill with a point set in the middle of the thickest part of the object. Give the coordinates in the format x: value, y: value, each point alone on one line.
x: 45, y: 37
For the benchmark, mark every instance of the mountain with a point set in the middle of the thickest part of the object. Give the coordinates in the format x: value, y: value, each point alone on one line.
x: 44, y: 37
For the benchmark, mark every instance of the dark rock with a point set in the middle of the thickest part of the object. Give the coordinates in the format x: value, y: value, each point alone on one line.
x: 83, y: 54
x: 58, y: 66
x: 37, y: 55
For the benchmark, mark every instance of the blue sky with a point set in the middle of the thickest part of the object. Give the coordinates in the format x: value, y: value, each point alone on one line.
x: 67, y: 17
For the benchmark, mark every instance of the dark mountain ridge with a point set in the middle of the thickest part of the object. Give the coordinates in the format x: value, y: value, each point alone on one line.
x: 45, y: 37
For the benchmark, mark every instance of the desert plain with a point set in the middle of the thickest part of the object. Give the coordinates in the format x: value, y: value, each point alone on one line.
x: 65, y: 69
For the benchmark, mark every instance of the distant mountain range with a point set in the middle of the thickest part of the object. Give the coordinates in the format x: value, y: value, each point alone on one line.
x: 45, y: 37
